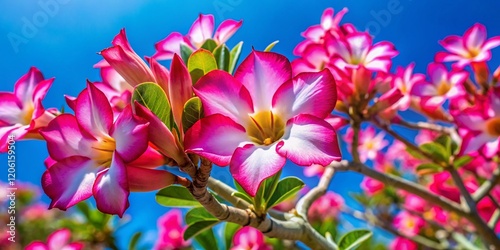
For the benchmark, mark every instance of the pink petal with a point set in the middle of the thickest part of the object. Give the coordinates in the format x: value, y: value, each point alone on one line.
x: 221, y: 93
x: 226, y: 29
x: 437, y: 72
x: 10, y: 110
x: 314, y: 33
x: 24, y: 87
x: 59, y: 239
x: 145, y: 180
x: 474, y: 122
x: 454, y: 44
x: 317, y: 55
x: 41, y: 90
x: 215, y: 137
x: 446, y: 57
x: 71, y: 101
x: 423, y: 89
x: 201, y: 30
x: 70, y: 181
x: 307, y: 93
x: 128, y: 64
x: 181, y: 89
x: 262, y: 73
x: 37, y: 245
x: 151, y: 158
x: 431, y: 104
x: 93, y: 111
x: 309, y: 140
x: 131, y: 135
x: 381, y: 49
x: 161, y: 74
x: 251, y: 164
x: 170, y: 45
x: 18, y: 131
x: 64, y: 138
x: 472, y: 143
x: 111, y: 188
x: 475, y: 36
x: 492, y: 43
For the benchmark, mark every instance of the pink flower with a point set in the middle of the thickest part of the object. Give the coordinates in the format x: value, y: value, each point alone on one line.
x: 58, y: 240
x: 171, y: 231
x: 371, y: 186
x: 370, y: 144
x: 408, y: 224
x: 404, y: 80
x: 262, y: 116
x: 442, y: 184
x: 401, y: 243
x: 481, y: 124
x: 327, y: 207
x: 443, y: 86
x: 22, y: 113
x: 201, y: 30
x: 114, y: 86
x: 92, y: 151
x: 472, y: 47
x: 249, y: 238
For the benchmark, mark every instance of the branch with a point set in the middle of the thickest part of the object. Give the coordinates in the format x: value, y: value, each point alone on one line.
x: 471, y: 204
x: 307, y: 200
x: 487, y: 186
x: 425, y: 125
x: 226, y: 192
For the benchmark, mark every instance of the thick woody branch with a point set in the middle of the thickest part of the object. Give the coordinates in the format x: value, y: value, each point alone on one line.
x: 307, y: 200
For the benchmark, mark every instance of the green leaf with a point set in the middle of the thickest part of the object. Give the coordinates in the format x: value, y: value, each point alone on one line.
x: 271, y: 46
x: 428, y: 168
x: 229, y: 232
x: 235, y: 55
x: 185, y: 53
x: 152, y: 96
x: 285, y: 189
x: 209, y: 45
x: 222, y: 56
x: 463, y: 241
x: 415, y: 153
x: 193, y: 111
x: 243, y: 196
x: 176, y: 196
x: 133, y: 242
x: 84, y: 208
x: 462, y: 161
x: 437, y: 150
x: 198, y: 214
x: 354, y: 238
x: 200, y: 63
x: 270, y: 185
x: 207, y: 239
x: 198, y: 227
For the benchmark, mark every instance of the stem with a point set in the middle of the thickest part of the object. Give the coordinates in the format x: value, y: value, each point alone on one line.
x: 307, y: 200
x: 355, y: 142
x: 487, y: 186
x: 425, y: 125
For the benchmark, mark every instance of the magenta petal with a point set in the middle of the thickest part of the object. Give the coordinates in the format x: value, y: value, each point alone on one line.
x: 145, y: 180
x: 262, y: 73
x: 111, y: 188
x: 93, y: 111
x: 220, y: 93
x: 423, y: 88
x: 41, y: 90
x: 59, y: 239
x: 18, y: 131
x: 251, y: 164
x: 307, y: 93
x: 226, y: 29
x: 131, y: 135
x: 24, y: 87
x: 70, y: 181
x: 169, y: 46
x: 181, y: 88
x: 201, y: 30
x: 475, y: 36
x: 37, y: 245
x: 472, y: 142
x: 215, y: 137
x: 128, y: 64
x: 10, y: 110
x: 309, y: 140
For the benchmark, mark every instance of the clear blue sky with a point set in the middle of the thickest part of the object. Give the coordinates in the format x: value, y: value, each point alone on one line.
x: 66, y: 37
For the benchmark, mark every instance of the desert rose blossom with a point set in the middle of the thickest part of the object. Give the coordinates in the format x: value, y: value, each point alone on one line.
x: 92, y: 151
x: 201, y: 30
x: 262, y: 116
x: 400, y: 243
x: 58, y: 240
x: 171, y: 231
x: 249, y: 238
x: 21, y: 112
x: 371, y: 186
x: 408, y: 223
x: 114, y: 86
x: 370, y: 143
x: 326, y: 207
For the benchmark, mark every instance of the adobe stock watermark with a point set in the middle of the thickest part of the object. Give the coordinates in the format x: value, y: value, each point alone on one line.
x: 31, y: 26
x: 383, y: 18
x: 11, y: 190
x: 223, y: 6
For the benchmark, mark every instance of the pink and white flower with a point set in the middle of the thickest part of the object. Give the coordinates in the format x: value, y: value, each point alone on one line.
x: 249, y: 238
x: 473, y: 47
x: 201, y: 30
x: 58, y: 240
x: 263, y: 116
x: 21, y: 112
x: 408, y: 224
x: 171, y: 231
x: 92, y: 151
x: 370, y: 143
x: 371, y: 186
x: 404, y: 80
x: 326, y: 207
x: 400, y: 243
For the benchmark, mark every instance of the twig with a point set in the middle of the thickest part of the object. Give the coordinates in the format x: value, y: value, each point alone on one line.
x: 307, y: 200
x: 425, y: 125
x: 487, y: 186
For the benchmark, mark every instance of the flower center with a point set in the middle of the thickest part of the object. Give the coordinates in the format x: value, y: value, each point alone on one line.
x: 27, y: 114
x: 103, y: 150
x: 265, y: 128
x: 493, y: 126
x: 443, y: 88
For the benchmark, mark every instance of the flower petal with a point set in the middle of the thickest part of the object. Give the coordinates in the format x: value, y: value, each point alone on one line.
x: 475, y: 36
x: 145, y: 180
x: 59, y: 239
x: 472, y: 142
x: 307, y: 93
x: 70, y: 181
x: 262, y: 73
x: 226, y: 29
x: 251, y: 164
x: 180, y: 88
x: 10, y: 110
x: 170, y: 45
x: 201, y: 30
x: 93, y: 111
x: 111, y: 188
x: 131, y: 135
x: 215, y: 137
x: 37, y: 245
x: 24, y: 87
x: 309, y: 140
x: 220, y: 93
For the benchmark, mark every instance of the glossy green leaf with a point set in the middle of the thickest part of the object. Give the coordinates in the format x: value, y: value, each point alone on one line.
x: 462, y: 161
x: 270, y: 185
x: 176, y: 196
x: 198, y: 227
x: 193, y: 111
x: 353, y: 239
x: 152, y: 96
x: 209, y: 45
x: 222, y: 56
x: 207, y: 239
x: 186, y: 52
x: 437, y: 150
x: 200, y: 63
x: 271, y: 46
x: 198, y: 214
x: 235, y: 56
x: 133, y: 242
x: 286, y: 188
x: 428, y: 168
x: 415, y: 153
x: 243, y: 196
x: 229, y: 231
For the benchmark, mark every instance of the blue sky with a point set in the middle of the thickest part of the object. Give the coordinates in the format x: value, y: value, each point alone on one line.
x: 61, y: 38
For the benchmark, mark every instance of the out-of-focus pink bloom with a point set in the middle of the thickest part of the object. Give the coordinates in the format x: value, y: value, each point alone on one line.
x: 426, y: 136
x: 327, y: 207
x: 442, y: 184
x: 37, y: 211
x: 481, y: 124
x: 414, y: 203
x: 472, y: 47
x: 92, y: 150
x: 371, y: 186
x: 443, y: 85
x: 249, y: 238
x: 21, y: 112
x: 370, y: 143
x: 404, y: 80
x: 201, y: 30
x: 58, y: 240
x: 400, y: 243
x: 171, y: 231
x: 263, y: 116
x: 481, y: 166
x: 407, y: 223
